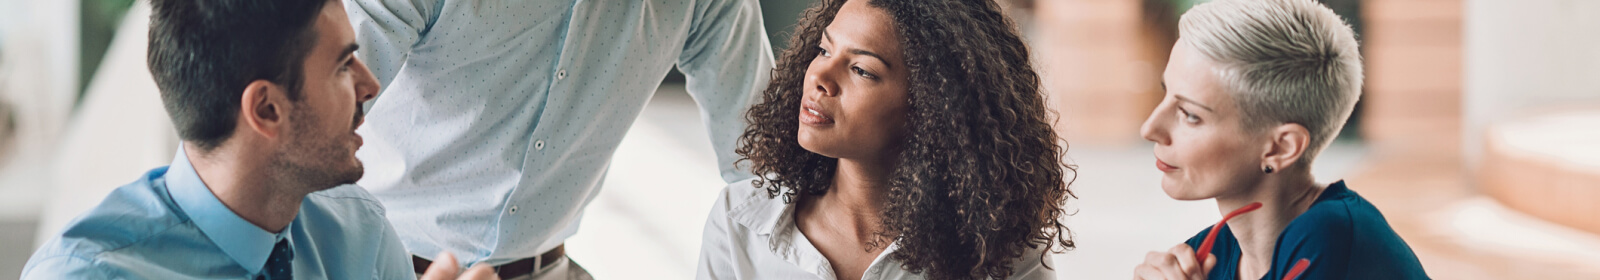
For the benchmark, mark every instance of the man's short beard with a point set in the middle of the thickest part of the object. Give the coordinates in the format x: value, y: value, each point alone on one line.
x: 311, y: 162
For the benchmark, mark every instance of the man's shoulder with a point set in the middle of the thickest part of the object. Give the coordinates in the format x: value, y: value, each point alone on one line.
x: 348, y: 223
x: 131, y: 215
x: 348, y: 196
x: 346, y: 210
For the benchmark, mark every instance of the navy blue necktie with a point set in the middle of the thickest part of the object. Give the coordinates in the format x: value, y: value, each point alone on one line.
x: 279, y: 264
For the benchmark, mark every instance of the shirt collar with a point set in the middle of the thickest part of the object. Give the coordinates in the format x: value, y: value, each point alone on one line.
x: 762, y: 215
x: 774, y: 219
x: 246, y: 243
x: 1337, y: 190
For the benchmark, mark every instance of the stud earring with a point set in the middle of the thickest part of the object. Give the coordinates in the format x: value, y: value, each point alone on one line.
x: 1268, y: 169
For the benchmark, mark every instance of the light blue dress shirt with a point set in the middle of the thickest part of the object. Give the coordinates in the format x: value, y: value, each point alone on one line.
x: 498, y: 119
x: 168, y: 225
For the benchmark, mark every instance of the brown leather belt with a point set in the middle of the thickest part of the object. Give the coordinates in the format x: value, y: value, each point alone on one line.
x: 507, y: 271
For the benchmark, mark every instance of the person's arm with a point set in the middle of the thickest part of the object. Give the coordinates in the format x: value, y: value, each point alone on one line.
x: 716, y: 244
x: 727, y: 60
x: 387, y: 30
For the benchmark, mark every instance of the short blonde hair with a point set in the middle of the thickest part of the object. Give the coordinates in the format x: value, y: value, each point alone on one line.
x: 1285, y: 61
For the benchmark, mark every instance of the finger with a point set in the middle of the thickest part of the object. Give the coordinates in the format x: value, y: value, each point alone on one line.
x: 1166, y: 264
x: 1211, y: 262
x: 1186, y: 261
x: 1146, y: 272
x: 443, y: 268
x: 480, y: 272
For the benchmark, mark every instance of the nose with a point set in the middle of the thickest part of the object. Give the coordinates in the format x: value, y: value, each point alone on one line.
x: 1154, y: 128
x: 823, y: 74
x: 366, y: 84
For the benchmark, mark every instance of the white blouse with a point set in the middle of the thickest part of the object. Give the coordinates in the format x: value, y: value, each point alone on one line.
x: 750, y: 236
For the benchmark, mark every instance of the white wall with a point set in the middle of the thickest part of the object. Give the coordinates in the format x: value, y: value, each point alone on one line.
x: 38, y: 75
x: 120, y: 131
x: 1526, y: 56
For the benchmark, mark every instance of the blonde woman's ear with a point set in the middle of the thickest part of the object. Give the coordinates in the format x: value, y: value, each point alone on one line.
x: 1289, y: 143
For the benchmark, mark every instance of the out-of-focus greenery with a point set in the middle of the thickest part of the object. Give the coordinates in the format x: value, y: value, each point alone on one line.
x: 99, y: 20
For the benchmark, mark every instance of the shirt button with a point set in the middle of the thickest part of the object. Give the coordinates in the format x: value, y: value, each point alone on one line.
x: 538, y: 145
x: 513, y: 209
x: 562, y: 74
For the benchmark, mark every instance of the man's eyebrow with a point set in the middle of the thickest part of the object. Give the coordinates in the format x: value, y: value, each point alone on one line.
x: 348, y: 51
x: 1191, y: 101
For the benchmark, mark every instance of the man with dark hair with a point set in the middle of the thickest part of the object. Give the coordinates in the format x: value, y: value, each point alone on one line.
x: 266, y: 96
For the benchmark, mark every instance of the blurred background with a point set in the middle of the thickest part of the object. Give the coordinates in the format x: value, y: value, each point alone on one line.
x: 1478, y: 134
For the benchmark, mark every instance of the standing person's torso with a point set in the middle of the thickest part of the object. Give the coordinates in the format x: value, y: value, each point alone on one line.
x: 499, y: 119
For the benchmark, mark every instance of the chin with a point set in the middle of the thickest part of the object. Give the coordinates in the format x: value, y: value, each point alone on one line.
x: 354, y: 172
x: 809, y: 141
x: 1179, y: 191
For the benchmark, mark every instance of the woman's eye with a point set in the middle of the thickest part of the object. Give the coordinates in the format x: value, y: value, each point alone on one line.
x: 823, y: 52
x: 1187, y: 117
x: 862, y: 72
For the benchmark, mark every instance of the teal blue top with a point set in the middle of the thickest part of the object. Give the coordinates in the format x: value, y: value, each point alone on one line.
x: 168, y: 225
x: 1343, y: 236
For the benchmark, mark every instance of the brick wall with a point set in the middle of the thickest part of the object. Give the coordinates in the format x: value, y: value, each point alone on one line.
x: 1101, y: 64
x: 1413, y: 85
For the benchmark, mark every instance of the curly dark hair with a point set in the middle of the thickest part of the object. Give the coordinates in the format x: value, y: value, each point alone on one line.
x: 980, y: 178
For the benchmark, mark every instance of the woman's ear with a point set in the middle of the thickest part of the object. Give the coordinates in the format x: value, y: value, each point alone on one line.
x: 262, y: 109
x: 1288, y: 142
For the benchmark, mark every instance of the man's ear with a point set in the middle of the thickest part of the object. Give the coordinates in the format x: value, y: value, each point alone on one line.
x: 1288, y: 142
x: 262, y: 109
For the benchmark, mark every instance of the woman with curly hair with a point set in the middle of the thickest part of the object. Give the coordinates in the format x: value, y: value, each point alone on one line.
x: 898, y: 139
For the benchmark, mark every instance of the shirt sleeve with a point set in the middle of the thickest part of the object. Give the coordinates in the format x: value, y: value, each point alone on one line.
x: 716, y: 246
x: 727, y: 60
x: 1035, y: 264
x: 64, y: 267
x: 387, y: 30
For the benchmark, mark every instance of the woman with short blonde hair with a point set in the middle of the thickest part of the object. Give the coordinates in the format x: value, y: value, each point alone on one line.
x: 1255, y: 90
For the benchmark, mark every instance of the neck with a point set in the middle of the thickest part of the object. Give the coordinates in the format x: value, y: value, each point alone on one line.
x: 245, y: 186
x: 854, y: 204
x: 1283, y: 196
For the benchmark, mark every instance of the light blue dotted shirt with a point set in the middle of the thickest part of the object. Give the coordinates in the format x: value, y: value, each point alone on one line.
x: 498, y: 119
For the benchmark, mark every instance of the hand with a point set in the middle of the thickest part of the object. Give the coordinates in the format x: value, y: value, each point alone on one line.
x: 1175, y: 264
x: 444, y: 268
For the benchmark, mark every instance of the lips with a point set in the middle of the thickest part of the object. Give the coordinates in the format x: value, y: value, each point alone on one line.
x: 810, y: 114
x: 356, y: 121
x: 1164, y: 167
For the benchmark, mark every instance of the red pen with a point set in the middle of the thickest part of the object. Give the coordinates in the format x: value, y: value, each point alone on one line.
x: 1205, y: 246
x: 1299, y: 267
